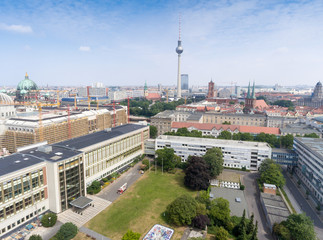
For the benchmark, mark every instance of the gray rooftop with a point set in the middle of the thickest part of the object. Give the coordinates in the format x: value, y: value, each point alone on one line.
x: 231, y: 194
x: 17, y: 161
x: 57, y: 153
x: 81, y: 202
x: 97, y: 137
x: 299, y: 128
x: 313, y: 144
x: 282, y: 150
x: 276, y: 208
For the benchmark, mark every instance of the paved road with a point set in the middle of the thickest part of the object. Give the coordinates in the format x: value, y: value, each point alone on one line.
x: 303, y: 205
x: 252, y: 197
x: 110, y: 193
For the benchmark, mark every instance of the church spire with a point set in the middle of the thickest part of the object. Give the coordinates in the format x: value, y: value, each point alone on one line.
x: 253, y: 91
x: 248, y: 95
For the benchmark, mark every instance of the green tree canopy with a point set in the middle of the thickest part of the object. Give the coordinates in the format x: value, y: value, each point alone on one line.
x: 214, y: 158
x: 287, y: 141
x: 311, y: 135
x: 49, y: 220
x: 35, y: 237
x: 182, y: 210
x: 152, y: 131
x: 130, y: 235
x: 219, y: 212
x: 284, y: 103
x: 68, y: 230
x: 225, y: 135
x: 197, y: 174
x: 271, y: 172
x: 221, y: 233
x: 300, y: 226
x: 167, y: 158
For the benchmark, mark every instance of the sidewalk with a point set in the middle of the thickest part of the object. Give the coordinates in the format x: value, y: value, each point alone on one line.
x: 93, y: 234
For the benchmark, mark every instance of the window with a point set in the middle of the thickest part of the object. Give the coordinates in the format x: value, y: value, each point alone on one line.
x: 19, y: 205
x: 9, y: 210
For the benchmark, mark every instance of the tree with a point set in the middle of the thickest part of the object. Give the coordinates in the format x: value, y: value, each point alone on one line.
x: 182, y: 210
x: 214, y: 158
x: 300, y: 226
x: 94, y: 188
x: 238, y: 229
x: 167, y: 158
x: 35, y: 237
x: 250, y: 226
x: 255, y: 232
x: 311, y: 135
x: 203, y: 197
x: 197, y: 174
x: 152, y: 131
x: 49, y: 220
x: 287, y: 141
x: 284, y: 103
x: 68, y: 230
x: 221, y: 233
x: 130, y: 235
x: 225, y: 135
x: 271, y: 172
x: 219, y: 212
x: 200, y: 221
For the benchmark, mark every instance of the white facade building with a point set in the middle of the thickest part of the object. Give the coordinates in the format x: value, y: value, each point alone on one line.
x: 236, y: 154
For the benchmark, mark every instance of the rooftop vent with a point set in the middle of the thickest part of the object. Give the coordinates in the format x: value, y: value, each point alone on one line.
x: 59, y: 153
x: 45, y: 148
x: 18, y: 161
x: 107, y: 129
x: 25, y: 159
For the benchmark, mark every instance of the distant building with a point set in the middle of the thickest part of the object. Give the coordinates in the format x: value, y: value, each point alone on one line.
x: 27, y: 90
x: 236, y: 154
x: 250, y: 101
x: 92, y: 91
x: 184, y: 80
x: 316, y: 100
x: 210, y: 93
x: 284, y: 156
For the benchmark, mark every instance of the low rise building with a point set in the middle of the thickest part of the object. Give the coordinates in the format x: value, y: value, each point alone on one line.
x: 284, y: 156
x: 236, y: 154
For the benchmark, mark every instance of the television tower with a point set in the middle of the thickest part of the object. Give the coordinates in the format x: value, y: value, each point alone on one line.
x: 179, y: 51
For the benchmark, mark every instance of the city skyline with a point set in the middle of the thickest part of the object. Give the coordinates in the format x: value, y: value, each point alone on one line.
x: 77, y: 43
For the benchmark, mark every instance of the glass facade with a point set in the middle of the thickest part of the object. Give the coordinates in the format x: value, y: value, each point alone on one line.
x: 71, y: 178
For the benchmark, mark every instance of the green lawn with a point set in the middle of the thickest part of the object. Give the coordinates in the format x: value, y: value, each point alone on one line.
x: 141, y: 206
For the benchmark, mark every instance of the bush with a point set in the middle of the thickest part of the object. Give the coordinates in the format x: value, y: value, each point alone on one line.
x: 200, y: 221
x: 35, y: 237
x: 49, y: 220
x: 67, y: 231
x: 94, y: 188
x: 221, y: 233
x: 130, y: 235
x: 104, y: 180
x: 244, y: 168
x: 242, y: 187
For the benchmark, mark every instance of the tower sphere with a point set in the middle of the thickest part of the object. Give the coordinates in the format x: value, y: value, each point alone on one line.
x: 179, y: 48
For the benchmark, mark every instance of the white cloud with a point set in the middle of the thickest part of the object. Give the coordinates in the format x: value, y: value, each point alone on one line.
x: 16, y: 28
x: 85, y: 49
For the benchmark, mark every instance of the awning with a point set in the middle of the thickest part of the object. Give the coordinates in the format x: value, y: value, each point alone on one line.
x: 81, y: 202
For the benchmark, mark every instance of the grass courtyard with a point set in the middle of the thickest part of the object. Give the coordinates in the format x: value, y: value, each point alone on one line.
x: 141, y: 206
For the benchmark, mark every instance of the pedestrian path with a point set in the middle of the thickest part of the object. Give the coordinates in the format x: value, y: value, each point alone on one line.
x: 79, y: 219
x: 93, y: 234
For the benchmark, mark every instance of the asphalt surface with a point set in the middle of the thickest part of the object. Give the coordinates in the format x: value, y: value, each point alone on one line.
x: 303, y: 205
x: 110, y: 193
x: 252, y: 196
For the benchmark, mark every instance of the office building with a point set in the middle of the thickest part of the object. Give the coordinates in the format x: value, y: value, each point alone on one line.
x: 68, y: 166
x: 310, y: 165
x: 184, y: 81
x: 236, y: 154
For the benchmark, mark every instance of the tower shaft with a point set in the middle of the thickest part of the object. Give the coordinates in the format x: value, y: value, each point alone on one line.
x: 179, y: 84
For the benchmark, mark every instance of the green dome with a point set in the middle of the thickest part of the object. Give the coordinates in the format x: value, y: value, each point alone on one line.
x: 27, y: 84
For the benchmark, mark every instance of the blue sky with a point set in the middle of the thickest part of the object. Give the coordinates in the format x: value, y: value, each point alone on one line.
x: 130, y: 42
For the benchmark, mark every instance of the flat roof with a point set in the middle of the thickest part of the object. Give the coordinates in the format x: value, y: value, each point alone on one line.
x: 81, y: 202
x: 57, y: 153
x: 314, y: 144
x: 17, y: 161
x: 283, y: 150
x: 276, y: 208
x: 195, y: 140
x: 97, y: 137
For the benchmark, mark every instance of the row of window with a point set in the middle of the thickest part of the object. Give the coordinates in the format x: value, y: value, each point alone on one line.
x: 22, y: 220
x: 18, y: 186
x: 19, y: 205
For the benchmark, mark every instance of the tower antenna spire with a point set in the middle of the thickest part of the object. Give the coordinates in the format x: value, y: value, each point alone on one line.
x: 179, y: 26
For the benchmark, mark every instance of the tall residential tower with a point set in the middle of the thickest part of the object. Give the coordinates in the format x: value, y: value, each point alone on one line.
x: 179, y: 51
